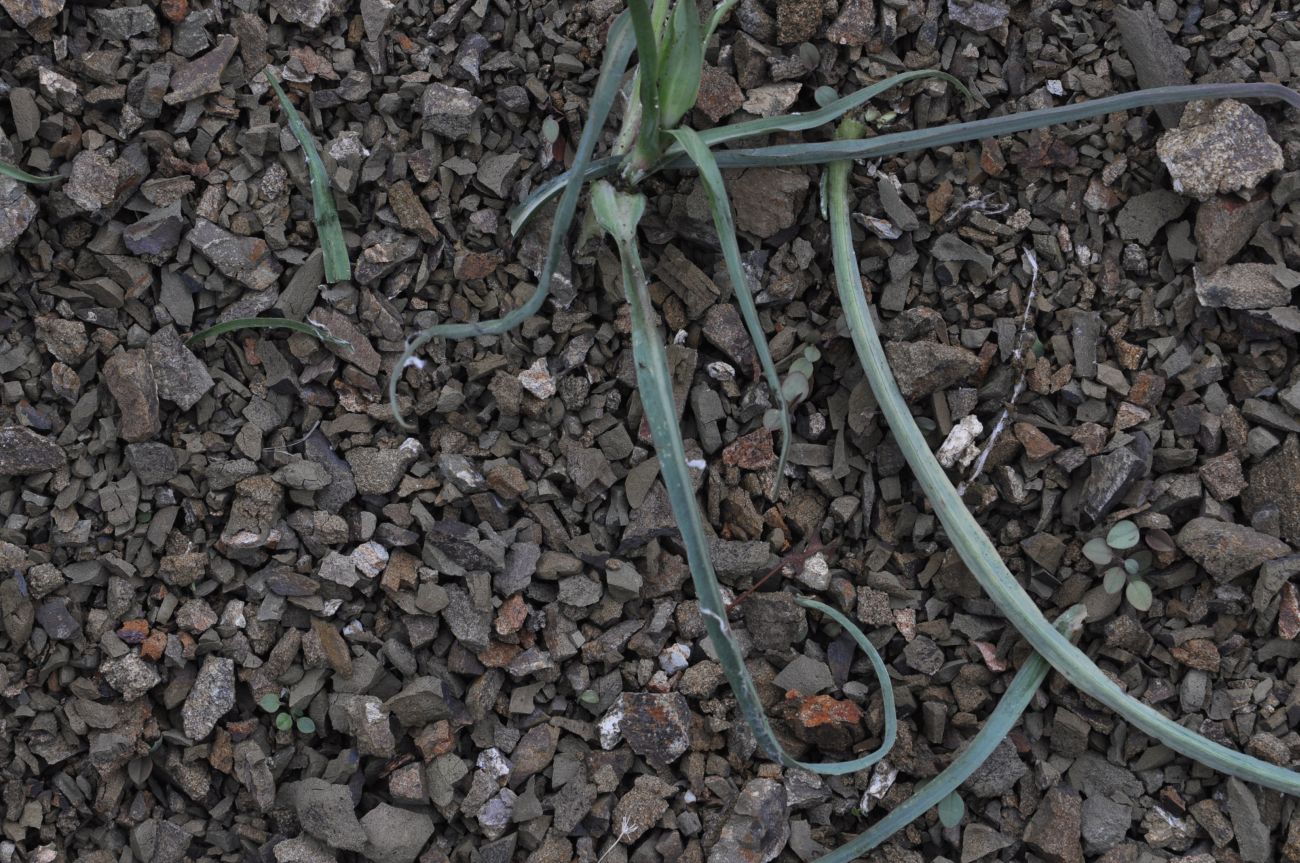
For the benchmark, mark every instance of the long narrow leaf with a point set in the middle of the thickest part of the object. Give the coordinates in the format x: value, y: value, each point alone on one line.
x: 683, y: 63
x: 796, y: 122
x: 330, y: 233
x: 787, y: 155
x: 980, y: 555
x: 618, y: 213
x: 14, y: 172
x: 647, y: 52
x: 719, y: 13
x: 990, y: 127
x: 720, y: 204
x: 266, y: 324
x: 996, y: 728
x: 618, y: 50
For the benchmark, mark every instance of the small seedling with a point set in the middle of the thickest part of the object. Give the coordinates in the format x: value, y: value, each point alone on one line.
x: 797, y: 385
x: 1123, y: 571
x: 288, y: 718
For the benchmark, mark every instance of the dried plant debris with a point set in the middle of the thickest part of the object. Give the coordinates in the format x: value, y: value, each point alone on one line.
x: 477, y: 636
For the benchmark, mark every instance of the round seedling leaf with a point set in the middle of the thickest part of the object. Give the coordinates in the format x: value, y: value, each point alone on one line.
x: 589, y: 696
x: 1114, y: 580
x: 1160, y: 540
x: 283, y: 721
x: 550, y: 130
x: 306, y: 725
x: 812, y: 354
x: 270, y: 702
x: 1131, y: 566
x: 772, y: 419
x: 794, y: 388
x: 138, y: 769
x: 1123, y: 535
x: 1139, y: 595
x: 824, y: 96
x: 951, y: 810
x: 1098, y: 551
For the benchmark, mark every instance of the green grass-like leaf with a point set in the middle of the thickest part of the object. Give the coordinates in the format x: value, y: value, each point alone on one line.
x: 679, y: 75
x: 822, y: 153
x: 648, y: 60
x: 266, y: 324
x: 619, y: 213
x: 720, y: 205
x: 618, y: 50
x: 978, y: 552
x: 996, y: 728
x: 14, y: 172
x: 328, y: 230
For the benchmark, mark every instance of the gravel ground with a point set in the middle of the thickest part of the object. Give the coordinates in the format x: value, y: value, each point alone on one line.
x: 477, y: 640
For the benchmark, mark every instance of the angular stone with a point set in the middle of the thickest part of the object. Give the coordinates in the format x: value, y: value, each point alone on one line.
x: 998, y: 774
x: 1054, y: 830
x: 92, y: 185
x: 1144, y: 215
x: 1227, y: 550
x: 122, y: 22
x: 1153, y: 55
x: 420, y: 702
x: 1105, y: 823
x: 130, y: 675
x: 979, y: 840
x: 17, y: 209
x: 211, y: 697
x: 1246, y: 286
x: 156, y: 235
x: 758, y: 827
x: 720, y: 96
x: 247, y: 259
x: 27, y: 12
x: 131, y: 382
x: 1252, y: 833
x: 326, y: 811
x: 922, y: 368
x: 1275, y: 482
x: 378, y: 471
x: 358, y: 350
x: 450, y: 111
x: 309, y: 13
x: 797, y: 20
x: 978, y: 15
x: 180, y: 377
x: 1220, y: 147
x: 767, y: 200
x: 854, y: 24
x: 411, y: 213
x: 57, y: 621
x: 1224, y: 224
x: 1113, y: 474
x: 395, y: 835
x: 656, y: 725
x: 24, y: 452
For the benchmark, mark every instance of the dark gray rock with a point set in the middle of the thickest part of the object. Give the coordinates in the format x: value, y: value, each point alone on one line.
x: 156, y: 235
x: 1248, y: 824
x: 395, y: 835
x: 997, y: 775
x: 774, y: 621
x: 1105, y: 823
x: 130, y: 380
x: 1054, y: 831
x: 1246, y: 286
x: 211, y: 697
x: 450, y: 111
x: 180, y: 377
x: 1144, y: 215
x: 57, y: 621
x: 247, y: 259
x: 657, y: 725
x: 1275, y: 483
x: 922, y: 368
x: 758, y: 827
x: 24, y: 452
x: 1113, y: 474
x: 326, y: 811
x: 1153, y: 55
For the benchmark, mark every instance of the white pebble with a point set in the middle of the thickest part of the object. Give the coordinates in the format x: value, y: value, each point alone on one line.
x: 537, y: 380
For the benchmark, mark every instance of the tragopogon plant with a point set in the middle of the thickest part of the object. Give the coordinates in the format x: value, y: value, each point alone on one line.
x: 670, y: 45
